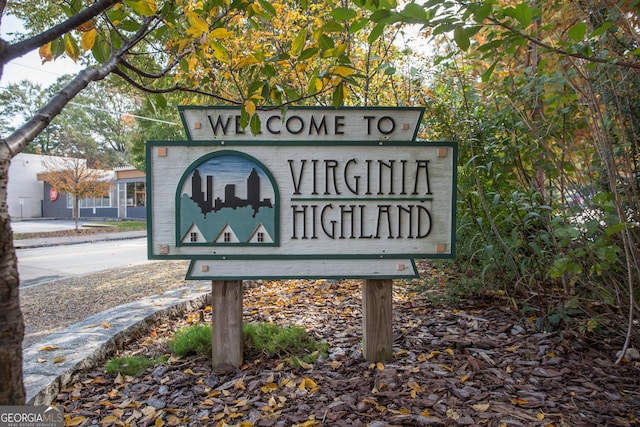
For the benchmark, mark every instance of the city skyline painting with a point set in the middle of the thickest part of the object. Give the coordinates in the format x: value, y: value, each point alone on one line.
x: 225, y: 200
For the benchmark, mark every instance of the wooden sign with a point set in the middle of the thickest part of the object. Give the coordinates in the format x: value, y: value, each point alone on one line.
x: 318, y: 193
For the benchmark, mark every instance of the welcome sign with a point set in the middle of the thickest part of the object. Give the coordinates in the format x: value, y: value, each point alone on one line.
x: 317, y: 193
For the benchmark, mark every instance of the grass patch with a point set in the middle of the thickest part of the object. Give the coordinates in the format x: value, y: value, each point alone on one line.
x: 291, y: 342
x: 121, y: 225
x: 194, y: 339
x: 286, y: 342
x: 131, y: 365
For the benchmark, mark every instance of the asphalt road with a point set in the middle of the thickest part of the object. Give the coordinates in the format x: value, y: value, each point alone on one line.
x: 42, y: 265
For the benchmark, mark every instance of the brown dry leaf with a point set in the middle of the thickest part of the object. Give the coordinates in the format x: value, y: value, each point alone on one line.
x: 110, y: 419
x: 379, y: 366
x: 149, y: 411
x: 415, y: 388
x: 75, y: 421
x: 158, y: 422
x: 49, y: 348
x: 269, y: 387
x: 518, y: 401
x: 240, y: 403
x: 239, y: 385
x: 481, y: 407
x: 288, y: 383
x: 41, y: 360
x: 453, y: 414
x: 106, y: 325
x: 450, y: 352
x: 59, y: 359
x: 308, y: 384
x: 303, y: 364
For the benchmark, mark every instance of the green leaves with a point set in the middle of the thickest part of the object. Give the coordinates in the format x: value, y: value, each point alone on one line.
x: 523, y: 13
x: 343, y: 13
x: 461, y: 38
x: 414, y: 13
x: 298, y: 42
x: 577, y: 32
x: 142, y: 7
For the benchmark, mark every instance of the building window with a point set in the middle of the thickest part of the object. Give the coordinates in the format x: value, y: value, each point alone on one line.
x: 136, y: 194
x: 227, y: 237
x: 107, y: 201
x: 193, y: 237
x: 260, y: 236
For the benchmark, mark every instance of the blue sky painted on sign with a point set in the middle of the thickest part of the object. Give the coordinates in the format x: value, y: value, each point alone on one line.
x: 230, y: 169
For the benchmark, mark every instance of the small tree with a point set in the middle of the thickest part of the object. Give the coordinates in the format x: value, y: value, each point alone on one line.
x: 76, y: 179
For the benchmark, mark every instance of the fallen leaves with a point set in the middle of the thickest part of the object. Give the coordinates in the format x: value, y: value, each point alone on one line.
x: 462, y: 368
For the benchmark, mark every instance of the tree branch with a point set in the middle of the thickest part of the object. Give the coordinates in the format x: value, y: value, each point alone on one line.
x: 158, y: 75
x: 621, y: 63
x: 12, y: 51
x: 175, y: 88
x: 19, y: 139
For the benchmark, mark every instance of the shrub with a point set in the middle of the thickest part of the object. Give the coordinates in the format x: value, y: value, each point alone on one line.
x: 194, y: 339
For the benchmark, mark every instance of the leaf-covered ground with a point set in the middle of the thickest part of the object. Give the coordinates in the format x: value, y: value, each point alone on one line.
x: 482, y: 365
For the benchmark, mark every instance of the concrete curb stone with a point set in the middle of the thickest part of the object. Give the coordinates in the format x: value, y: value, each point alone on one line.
x: 74, y: 240
x: 82, y: 345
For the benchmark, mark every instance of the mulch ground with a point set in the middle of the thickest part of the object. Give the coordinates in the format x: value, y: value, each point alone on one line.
x: 481, y: 365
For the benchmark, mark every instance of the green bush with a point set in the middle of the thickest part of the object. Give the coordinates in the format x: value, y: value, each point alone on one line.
x: 195, y: 339
x: 290, y: 341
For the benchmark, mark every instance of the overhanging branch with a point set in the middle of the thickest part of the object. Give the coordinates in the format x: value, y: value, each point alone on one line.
x: 174, y: 88
x: 19, y: 139
x: 12, y: 51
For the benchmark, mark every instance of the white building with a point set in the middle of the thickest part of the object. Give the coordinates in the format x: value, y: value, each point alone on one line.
x: 25, y: 193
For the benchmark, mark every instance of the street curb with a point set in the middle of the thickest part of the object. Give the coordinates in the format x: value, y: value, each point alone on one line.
x: 57, y: 360
x: 62, y: 241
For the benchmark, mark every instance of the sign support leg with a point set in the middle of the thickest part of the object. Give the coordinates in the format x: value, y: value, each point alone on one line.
x: 227, y: 322
x: 377, y: 319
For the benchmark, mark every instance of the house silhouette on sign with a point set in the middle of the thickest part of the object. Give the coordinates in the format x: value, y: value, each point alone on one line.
x: 260, y: 235
x: 193, y: 235
x: 227, y: 235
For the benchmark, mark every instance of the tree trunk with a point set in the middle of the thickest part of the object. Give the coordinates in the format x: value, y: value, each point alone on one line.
x: 76, y: 210
x: 11, y: 324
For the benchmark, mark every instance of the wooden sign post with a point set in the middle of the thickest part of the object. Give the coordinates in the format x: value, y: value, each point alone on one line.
x: 317, y: 193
